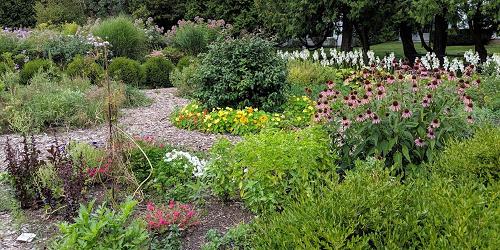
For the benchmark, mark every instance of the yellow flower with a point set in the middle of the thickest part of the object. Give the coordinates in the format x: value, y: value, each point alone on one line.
x: 177, y: 119
x: 244, y: 120
x: 263, y: 118
x: 239, y: 112
x: 216, y: 121
x: 250, y: 110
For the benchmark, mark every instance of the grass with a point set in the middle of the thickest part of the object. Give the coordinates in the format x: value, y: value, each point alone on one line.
x: 452, y: 51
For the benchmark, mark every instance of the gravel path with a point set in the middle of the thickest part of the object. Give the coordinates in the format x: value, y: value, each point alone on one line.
x: 152, y: 120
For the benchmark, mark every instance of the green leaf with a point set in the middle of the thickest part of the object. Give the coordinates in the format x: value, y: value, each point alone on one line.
x: 406, y: 153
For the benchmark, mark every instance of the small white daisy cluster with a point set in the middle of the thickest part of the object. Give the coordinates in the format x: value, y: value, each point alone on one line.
x: 492, y: 64
x: 199, y: 165
x: 96, y: 41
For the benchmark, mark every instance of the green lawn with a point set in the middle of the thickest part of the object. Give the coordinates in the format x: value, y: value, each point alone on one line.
x: 396, y: 47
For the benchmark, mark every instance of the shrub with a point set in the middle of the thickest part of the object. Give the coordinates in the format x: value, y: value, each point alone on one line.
x: 272, y: 168
x: 238, y: 237
x: 173, y: 54
x: 63, y: 48
x: 69, y: 29
x: 183, y: 80
x: 372, y: 209
x: 8, y: 42
x: 242, y: 72
x: 100, y: 229
x: 157, y: 71
x: 477, y: 157
x: 127, y: 70
x: 92, y: 156
x: 185, y: 61
x: 126, y: 39
x: 85, y: 67
x: 58, y: 12
x: 161, y: 218
x: 307, y: 73
x: 194, y: 37
x: 33, y: 67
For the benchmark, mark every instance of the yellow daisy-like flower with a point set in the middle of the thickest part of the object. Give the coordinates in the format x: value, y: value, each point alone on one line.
x: 244, y: 120
x: 250, y: 110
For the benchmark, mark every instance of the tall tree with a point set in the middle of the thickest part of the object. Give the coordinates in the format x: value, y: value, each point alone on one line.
x: 306, y: 20
x: 483, y: 19
x: 17, y: 13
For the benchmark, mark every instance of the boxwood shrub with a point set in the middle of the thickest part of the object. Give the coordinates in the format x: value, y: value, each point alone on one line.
x: 127, y: 70
x: 157, y: 72
x: 242, y: 72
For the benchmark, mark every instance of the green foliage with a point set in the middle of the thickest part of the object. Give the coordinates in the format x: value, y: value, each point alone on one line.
x: 17, y: 13
x: 272, y: 168
x: 92, y: 156
x: 237, y: 237
x: 127, y: 70
x: 8, y: 43
x: 135, y: 98
x: 194, y: 38
x: 157, y: 71
x: 103, y: 228
x: 475, y: 158
x: 126, y: 39
x: 58, y: 12
x: 63, y: 48
x: 183, y: 80
x: 172, y: 241
x: 185, y: 61
x: 69, y: 28
x: 242, y: 72
x: 307, y: 73
x: 372, y: 209
x: 33, y: 67
x: 173, y: 54
x: 85, y: 67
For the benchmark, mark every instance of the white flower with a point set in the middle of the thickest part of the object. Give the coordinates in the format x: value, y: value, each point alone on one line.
x: 199, y: 165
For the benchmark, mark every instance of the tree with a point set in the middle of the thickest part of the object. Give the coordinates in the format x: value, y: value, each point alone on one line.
x: 305, y: 20
x: 165, y: 13
x: 17, y: 13
x: 483, y: 19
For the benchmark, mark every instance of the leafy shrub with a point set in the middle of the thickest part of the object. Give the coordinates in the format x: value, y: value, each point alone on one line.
x: 127, y: 70
x: 22, y: 167
x: 242, y: 72
x: 33, y: 67
x: 185, y: 61
x: 157, y: 71
x: 272, y: 168
x: 126, y: 39
x: 298, y: 112
x: 194, y: 37
x: 63, y: 48
x: 8, y: 42
x: 85, y: 67
x: 183, y: 80
x: 100, y: 229
x: 90, y: 154
x: 69, y: 28
x: 135, y: 98
x: 372, y: 209
x: 161, y: 218
x: 173, y: 54
x: 58, y: 12
x: 238, y: 237
x: 477, y: 157
x: 307, y: 73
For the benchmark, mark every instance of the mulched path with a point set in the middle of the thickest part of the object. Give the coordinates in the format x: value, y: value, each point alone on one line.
x: 152, y: 121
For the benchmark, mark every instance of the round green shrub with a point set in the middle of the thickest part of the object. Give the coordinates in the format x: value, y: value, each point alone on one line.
x: 127, y: 70
x: 32, y: 67
x: 157, y: 71
x: 242, y: 72
x: 125, y: 39
x: 271, y: 169
x: 85, y: 67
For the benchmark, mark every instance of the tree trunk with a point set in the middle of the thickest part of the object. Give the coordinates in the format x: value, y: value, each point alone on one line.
x: 440, y: 35
x: 365, y: 42
x: 422, y: 41
x: 347, y: 30
x: 477, y: 30
x: 406, y: 34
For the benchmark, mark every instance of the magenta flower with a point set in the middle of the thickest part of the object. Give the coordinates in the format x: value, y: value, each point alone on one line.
x: 431, y: 135
x: 390, y: 79
x: 406, y: 113
x: 419, y: 142
x: 395, y: 107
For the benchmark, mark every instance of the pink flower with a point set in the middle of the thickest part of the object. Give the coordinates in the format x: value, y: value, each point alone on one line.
x: 468, y: 107
x: 390, y: 79
x: 435, y: 123
x: 406, y: 113
x: 380, y: 95
x: 414, y: 87
x: 470, y: 119
x: 150, y: 206
x: 360, y: 118
x: 395, y: 107
x: 419, y: 142
x: 345, y: 122
x: 376, y: 119
x: 171, y: 204
x: 467, y: 99
x: 425, y: 103
x: 431, y: 135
